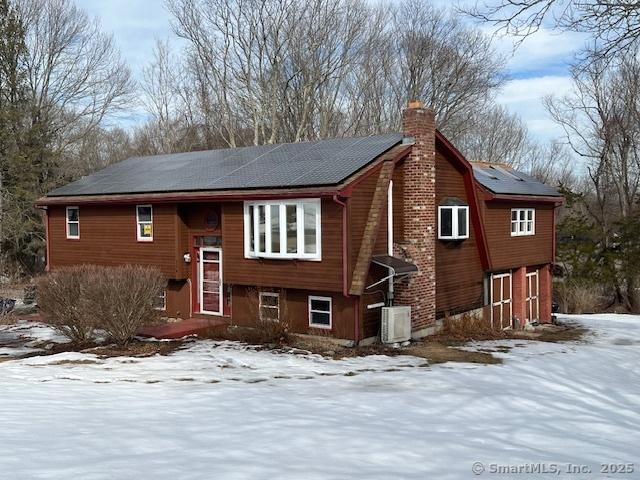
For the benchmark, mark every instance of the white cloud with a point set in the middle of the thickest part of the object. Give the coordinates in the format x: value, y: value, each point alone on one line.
x: 543, y: 51
x: 524, y: 96
x: 135, y: 25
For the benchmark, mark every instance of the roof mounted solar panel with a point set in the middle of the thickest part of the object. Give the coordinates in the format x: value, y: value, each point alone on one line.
x: 287, y: 165
x: 506, y: 171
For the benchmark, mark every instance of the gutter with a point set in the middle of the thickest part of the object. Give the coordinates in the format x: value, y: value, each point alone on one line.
x: 159, y: 198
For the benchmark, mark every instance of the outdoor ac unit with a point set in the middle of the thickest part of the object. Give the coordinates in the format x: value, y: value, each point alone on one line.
x: 396, y: 324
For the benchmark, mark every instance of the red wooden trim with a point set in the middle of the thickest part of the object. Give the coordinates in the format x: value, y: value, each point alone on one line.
x: 523, y: 198
x: 348, y: 187
x: 187, y: 198
x: 195, y: 306
x: 553, y: 240
x: 469, y: 184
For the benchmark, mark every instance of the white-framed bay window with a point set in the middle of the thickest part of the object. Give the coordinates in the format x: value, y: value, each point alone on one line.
x: 287, y: 229
x: 523, y: 222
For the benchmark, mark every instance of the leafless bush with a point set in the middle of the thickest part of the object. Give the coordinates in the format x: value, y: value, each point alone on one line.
x: 62, y: 299
x: 265, y: 330
x: 122, y: 299
x: 468, y: 327
x: 118, y: 300
x: 579, y: 298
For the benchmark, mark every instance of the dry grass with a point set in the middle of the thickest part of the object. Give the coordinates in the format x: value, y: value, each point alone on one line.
x: 264, y: 333
x: 12, y: 290
x: 436, y: 352
x: 577, y: 298
x: 468, y: 328
x: 8, y: 318
x: 137, y: 348
x: 432, y: 351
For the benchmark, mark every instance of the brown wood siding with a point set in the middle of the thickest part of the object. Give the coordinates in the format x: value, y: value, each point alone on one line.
x: 297, y: 311
x: 359, y: 207
x: 459, y: 273
x: 324, y: 275
x: 371, y: 318
x: 509, y: 252
x: 108, y: 237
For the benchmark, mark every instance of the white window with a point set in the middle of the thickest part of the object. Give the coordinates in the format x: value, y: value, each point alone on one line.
x: 73, y: 222
x: 320, y: 312
x: 523, y: 221
x: 283, y: 229
x: 269, y: 306
x: 161, y: 301
x: 144, y: 220
x: 453, y: 222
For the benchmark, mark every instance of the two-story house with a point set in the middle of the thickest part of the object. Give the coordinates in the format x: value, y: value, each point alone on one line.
x: 344, y: 226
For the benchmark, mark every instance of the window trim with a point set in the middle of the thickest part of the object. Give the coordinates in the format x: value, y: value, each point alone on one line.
x: 139, y: 222
x: 67, y: 223
x: 283, y: 203
x: 519, y: 223
x: 454, y: 222
x: 330, y: 312
x: 261, y: 305
x: 163, y: 308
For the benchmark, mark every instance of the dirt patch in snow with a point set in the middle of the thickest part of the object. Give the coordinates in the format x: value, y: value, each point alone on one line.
x: 432, y: 351
x: 442, y: 348
x: 136, y: 349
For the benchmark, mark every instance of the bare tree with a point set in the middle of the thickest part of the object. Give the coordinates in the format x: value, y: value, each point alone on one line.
x: 614, y: 25
x: 497, y: 136
x: 75, y: 72
x: 601, y: 120
x: 444, y: 63
x: 161, y: 86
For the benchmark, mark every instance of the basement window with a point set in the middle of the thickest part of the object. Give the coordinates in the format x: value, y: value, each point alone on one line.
x: 160, y: 302
x: 283, y: 229
x: 320, y: 312
x: 144, y: 219
x: 73, y: 223
x: 453, y: 222
x: 523, y: 222
x: 269, y: 306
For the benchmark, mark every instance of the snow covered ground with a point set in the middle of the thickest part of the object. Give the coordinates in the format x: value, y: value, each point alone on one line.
x: 221, y: 411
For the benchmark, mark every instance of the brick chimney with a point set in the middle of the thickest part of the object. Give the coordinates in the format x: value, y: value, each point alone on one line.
x: 419, y: 216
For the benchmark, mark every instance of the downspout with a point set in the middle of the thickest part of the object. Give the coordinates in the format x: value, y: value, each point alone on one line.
x: 390, y: 296
x: 553, y: 229
x: 345, y: 266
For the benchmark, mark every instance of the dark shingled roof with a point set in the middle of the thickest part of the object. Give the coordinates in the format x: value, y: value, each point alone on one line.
x: 304, y: 164
x: 501, y: 179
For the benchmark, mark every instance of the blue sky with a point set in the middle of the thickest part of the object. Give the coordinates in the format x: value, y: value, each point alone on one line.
x: 537, y: 68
